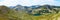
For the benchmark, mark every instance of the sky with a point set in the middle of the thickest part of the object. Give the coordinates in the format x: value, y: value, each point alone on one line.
x: 29, y: 2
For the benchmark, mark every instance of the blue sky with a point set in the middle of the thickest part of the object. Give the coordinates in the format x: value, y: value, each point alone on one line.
x: 1, y: 0
x: 29, y: 2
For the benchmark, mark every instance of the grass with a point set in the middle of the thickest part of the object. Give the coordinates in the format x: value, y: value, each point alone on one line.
x: 23, y: 15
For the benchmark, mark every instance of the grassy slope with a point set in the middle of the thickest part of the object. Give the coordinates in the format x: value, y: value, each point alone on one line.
x: 22, y: 15
x: 43, y: 17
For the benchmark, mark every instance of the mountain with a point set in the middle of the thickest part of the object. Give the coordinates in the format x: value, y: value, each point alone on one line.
x: 35, y: 6
x: 29, y: 9
x: 11, y: 7
x: 17, y: 7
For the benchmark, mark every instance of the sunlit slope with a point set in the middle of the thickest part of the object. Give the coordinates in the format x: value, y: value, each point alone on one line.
x: 25, y: 16
x: 42, y: 17
x: 11, y: 14
x: 47, y: 17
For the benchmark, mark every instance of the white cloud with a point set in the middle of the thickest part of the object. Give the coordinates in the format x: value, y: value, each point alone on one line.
x: 40, y: 2
x: 28, y: 2
x: 9, y: 2
x: 36, y: 2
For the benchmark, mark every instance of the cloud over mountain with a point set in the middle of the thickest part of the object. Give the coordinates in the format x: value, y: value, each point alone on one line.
x: 28, y: 2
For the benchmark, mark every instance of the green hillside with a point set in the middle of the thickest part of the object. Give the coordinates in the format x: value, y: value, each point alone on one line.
x: 42, y: 13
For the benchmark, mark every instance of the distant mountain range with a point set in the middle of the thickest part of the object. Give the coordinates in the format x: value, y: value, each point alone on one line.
x: 20, y: 7
x: 36, y: 9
